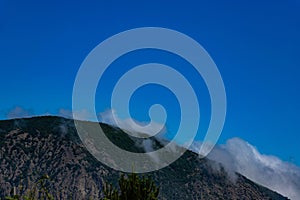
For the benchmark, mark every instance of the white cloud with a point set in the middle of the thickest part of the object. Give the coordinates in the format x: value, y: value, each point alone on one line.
x: 19, y: 112
x: 107, y: 117
x: 269, y: 171
x: 131, y: 126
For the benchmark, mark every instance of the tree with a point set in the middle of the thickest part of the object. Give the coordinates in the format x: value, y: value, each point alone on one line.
x: 132, y: 187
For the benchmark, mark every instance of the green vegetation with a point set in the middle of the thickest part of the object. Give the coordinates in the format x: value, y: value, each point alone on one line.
x: 132, y: 188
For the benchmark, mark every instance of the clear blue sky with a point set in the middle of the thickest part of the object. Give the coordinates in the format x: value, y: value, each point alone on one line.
x: 255, y: 45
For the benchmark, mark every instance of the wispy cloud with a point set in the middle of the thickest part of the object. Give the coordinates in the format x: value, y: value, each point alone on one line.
x: 19, y: 112
x: 110, y: 116
x: 238, y: 155
x: 130, y: 125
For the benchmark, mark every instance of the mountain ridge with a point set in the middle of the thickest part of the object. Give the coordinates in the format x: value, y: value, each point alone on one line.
x: 50, y: 145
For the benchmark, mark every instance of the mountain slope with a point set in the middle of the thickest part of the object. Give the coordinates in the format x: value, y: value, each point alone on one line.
x: 50, y: 145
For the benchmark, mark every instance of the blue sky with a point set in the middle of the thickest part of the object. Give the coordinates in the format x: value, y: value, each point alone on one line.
x: 254, y: 44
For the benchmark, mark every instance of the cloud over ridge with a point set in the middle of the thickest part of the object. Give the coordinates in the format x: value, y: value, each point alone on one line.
x: 239, y: 156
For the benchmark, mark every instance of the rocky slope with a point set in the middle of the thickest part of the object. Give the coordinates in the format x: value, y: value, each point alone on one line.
x: 50, y: 145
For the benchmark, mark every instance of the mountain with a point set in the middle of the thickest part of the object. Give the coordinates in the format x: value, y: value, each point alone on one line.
x: 50, y: 145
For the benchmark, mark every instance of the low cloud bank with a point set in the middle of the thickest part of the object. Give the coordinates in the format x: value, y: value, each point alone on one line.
x: 239, y: 156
